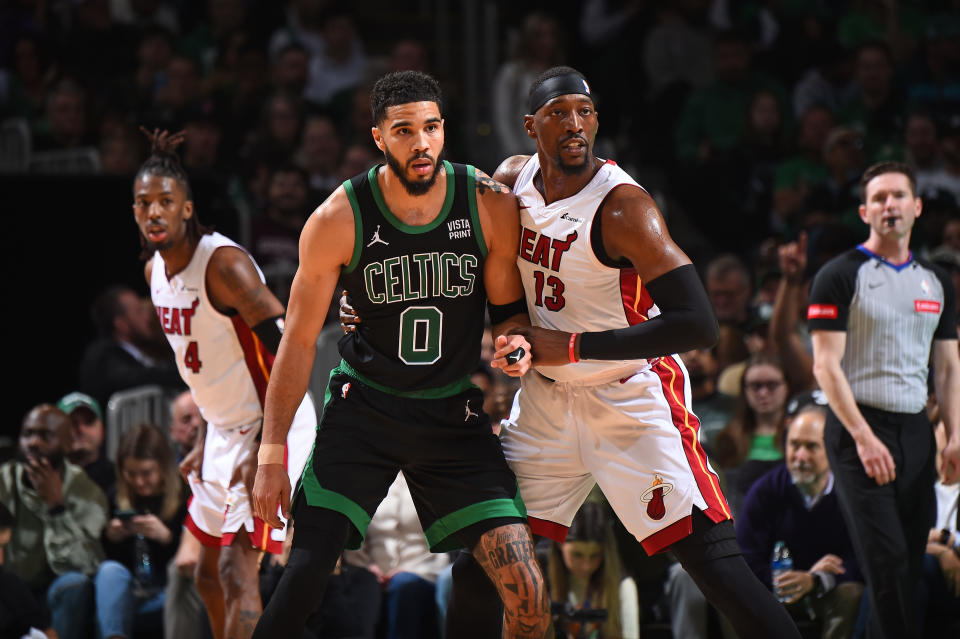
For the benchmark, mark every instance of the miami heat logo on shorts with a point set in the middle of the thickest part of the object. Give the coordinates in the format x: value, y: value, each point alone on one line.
x: 653, y: 497
x: 344, y: 390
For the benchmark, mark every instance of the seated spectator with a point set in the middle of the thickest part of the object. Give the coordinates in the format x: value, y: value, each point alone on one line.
x: 319, y: 155
x: 141, y: 537
x: 185, y: 423
x: 275, y: 140
x: 750, y: 444
x: 342, y: 61
x: 88, y: 432
x: 20, y: 613
x: 877, y: 110
x: 59, y: 514
x: 940, y: 583
x: 117, y: 360
x: 836, y: 198
x: 288, y: 73
x: 584, y: 573
x: 65, y: 123
x: 539, y: 47
x: 796, y: 175
x: 396, y: 552
x: 276, y: 233
x: 795, y: 503
x: 728, y: 284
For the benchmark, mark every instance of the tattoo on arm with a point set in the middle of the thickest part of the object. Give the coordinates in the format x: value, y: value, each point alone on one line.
x: 507, y: 556
x: 485, y: 183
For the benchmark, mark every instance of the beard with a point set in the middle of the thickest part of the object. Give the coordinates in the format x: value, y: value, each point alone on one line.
x: 803, y: 476
x: 574, y: 169
x: 415, y: 188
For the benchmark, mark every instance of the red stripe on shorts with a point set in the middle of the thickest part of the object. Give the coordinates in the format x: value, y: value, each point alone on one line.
x: 204, y: 538
x: 687, y: 424
x: 549, y: 529
x: 260, y: 538
x: 666, y: 537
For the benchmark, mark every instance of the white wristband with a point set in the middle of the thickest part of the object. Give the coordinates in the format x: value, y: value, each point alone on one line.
x: 270, y: 454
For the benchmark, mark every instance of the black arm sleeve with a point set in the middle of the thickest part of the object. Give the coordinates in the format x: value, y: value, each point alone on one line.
x: 686, y: 321
x: 269, y: 332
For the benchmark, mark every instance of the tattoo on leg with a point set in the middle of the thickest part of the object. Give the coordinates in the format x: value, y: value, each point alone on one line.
x: 247, y: 623
x: 507, y: 556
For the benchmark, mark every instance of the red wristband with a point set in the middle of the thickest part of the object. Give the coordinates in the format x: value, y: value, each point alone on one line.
x: 573, y: 356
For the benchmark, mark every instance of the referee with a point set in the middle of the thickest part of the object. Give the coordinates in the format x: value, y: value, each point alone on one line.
x: 875, y: 313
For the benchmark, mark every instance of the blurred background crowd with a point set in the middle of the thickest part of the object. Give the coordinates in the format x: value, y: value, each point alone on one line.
x: 750, y: 122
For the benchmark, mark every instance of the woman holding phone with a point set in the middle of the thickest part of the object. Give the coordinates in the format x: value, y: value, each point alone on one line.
x: 142, y: 536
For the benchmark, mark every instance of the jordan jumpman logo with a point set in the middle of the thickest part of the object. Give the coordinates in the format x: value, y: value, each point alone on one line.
x: 376, y: 238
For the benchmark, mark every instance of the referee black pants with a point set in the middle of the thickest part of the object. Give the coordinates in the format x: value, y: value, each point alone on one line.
x: 888, y: 524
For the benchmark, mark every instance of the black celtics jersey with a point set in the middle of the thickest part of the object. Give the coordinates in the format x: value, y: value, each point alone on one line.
x: 418, y: 289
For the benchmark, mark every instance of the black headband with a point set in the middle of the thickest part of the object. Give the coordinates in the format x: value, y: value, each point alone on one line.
x: 557, y: 85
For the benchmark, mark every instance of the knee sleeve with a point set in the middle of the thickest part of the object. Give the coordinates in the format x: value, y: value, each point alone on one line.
x: 708, y: 541
x: 475, y: 610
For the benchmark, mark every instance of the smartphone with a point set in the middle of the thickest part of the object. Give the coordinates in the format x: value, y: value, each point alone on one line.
x: 124, y: 513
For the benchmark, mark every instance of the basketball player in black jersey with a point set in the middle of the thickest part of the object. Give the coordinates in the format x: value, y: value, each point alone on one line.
x: 424, y: 244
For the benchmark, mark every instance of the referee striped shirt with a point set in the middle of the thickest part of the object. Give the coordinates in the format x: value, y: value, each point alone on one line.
x: 891, y: 314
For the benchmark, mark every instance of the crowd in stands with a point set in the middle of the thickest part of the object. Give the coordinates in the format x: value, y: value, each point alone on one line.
x: 750, y: 123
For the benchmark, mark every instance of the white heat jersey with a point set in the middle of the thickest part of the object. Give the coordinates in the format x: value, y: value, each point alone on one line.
x: 219, y: 357
x: 567, y: 286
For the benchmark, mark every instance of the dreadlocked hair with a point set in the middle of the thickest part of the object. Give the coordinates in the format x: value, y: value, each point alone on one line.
x: 165, y: 162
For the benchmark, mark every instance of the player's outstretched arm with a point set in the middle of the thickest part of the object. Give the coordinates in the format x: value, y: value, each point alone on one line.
x: 500, y: 222
x: 326, y: 244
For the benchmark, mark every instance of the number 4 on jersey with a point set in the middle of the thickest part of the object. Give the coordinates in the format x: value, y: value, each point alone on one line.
x: 191, y: 359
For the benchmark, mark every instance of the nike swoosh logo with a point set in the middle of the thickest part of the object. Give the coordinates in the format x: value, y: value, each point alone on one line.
x: 874, y: 285
x: 244, y: 431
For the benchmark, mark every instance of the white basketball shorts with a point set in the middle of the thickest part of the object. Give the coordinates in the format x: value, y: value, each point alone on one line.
x: 218, y: 511
x: 636, y: 437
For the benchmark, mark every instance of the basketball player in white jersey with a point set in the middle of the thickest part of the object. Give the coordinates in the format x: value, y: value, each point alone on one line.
x: 224, y: 326
x: 611, y: 298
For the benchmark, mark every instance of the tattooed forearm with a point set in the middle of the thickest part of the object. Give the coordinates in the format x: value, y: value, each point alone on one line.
x: 485, y: 184
x: 507, y: 556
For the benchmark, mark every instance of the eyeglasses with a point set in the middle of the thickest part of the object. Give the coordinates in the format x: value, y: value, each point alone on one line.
x: 133, y: 475
x: 770, y: 386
